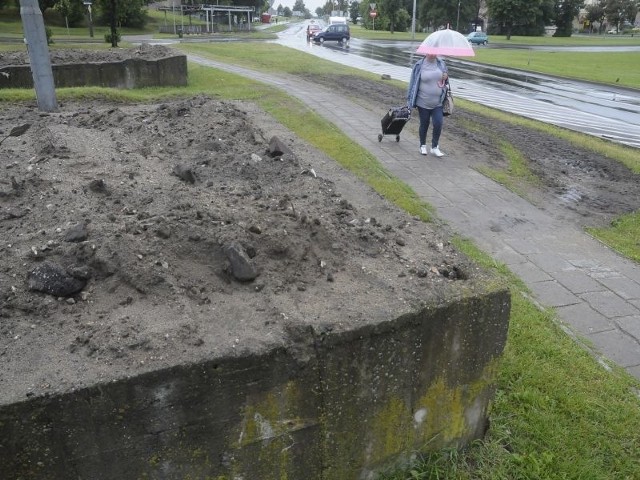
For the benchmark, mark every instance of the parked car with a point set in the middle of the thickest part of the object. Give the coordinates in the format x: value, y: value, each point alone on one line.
x: 338, y: 32
x: 312, y: 30
x: 478, y: 38
x: 613, y: 31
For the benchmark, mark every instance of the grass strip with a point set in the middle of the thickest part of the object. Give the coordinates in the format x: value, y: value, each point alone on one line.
x: 613, y: 68
x: 623, y: 235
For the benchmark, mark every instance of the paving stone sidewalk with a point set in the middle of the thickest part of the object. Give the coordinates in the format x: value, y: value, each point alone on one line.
x: 594, y: 291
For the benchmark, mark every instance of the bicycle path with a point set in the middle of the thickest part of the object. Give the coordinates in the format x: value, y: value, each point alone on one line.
x: 594, y: 291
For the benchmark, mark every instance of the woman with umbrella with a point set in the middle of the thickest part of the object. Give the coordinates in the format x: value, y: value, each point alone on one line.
x: 427, y: 89
x: 428, y: 83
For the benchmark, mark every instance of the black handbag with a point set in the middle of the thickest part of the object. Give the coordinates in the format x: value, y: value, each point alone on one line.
x: 447, y: 103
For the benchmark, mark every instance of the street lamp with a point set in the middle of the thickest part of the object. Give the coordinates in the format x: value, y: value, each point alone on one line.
x: 458, y: 19
x: 87, y: 3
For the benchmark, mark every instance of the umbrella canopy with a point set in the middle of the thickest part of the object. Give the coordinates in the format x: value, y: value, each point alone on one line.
x: 448, y: 43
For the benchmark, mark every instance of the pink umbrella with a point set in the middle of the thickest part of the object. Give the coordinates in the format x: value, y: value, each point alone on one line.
x: 448, y: 43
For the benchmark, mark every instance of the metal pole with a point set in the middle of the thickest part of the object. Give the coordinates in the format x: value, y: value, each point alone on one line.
x: 90, y: 21
x: 413, y: 21
x: 373, y: 8
x: 36, y: 40
x: 458, y: 19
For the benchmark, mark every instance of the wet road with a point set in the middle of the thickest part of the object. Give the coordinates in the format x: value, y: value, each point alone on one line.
x: 598, y: 110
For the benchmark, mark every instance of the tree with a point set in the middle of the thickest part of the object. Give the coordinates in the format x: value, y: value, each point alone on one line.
x: 280, y: 10
x: 327, y: 8
x: 45, y: 4
x: 467, y: 15
x: 565, y: 11
x: 438, y: 13
x: 129, y: 13
x: 287, y: 12
x: 523, y: 15
x: 596, y: 13
x: 298, y: 6
x: 354, y: 11
x: 619, y: 11
x: 457, y: 15
x: 390, y: 9
x: 73, y: 12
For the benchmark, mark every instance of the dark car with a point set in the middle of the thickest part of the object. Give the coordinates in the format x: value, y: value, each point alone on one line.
x: 478, y: 38
x: 338, y: 32
x: 312, y: 30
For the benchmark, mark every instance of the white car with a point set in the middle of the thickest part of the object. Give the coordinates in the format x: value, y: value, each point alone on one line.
x: 613, y: 31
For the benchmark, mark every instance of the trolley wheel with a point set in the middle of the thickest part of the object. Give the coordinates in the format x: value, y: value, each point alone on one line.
x: 397, y: 138
x: 379, y: 137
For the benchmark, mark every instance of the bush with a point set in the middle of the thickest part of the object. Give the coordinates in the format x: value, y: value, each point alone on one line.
x: 107, y: 37
x: 49, y: 33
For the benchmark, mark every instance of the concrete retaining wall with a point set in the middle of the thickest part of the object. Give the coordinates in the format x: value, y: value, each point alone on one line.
x: 130, y: 73
x: 331, y: 406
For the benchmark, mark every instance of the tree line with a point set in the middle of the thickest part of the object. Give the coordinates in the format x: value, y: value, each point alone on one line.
x: 129, y: 13
x: 507, y: 17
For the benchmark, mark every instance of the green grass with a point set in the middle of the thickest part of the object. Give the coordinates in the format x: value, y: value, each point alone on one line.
x: 357, y: 31
x: 577, y: 40
x: 623, y: 235
x: 517, y: 176
x: 557, y: 413
x: 270, y: 57
x: 616, y: 68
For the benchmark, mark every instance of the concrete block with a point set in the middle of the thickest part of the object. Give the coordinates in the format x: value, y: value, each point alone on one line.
x: 328, y: 405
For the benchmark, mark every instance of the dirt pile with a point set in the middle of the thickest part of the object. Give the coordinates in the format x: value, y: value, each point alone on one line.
x: 139, y: 236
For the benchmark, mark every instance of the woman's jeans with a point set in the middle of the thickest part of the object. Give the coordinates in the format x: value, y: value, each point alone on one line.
x: 426, y: 116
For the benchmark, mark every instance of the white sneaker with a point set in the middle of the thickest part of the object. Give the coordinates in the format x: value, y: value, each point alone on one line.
x: 436, y: 151
x: 423, y: 150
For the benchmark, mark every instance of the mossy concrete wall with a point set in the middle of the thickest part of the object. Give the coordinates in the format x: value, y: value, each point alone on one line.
x: 331, y: 406
x: 130, y: 73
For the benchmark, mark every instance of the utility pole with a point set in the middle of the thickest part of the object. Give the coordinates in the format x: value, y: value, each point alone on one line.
x: 413, y: 22
x: 36, y: 40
